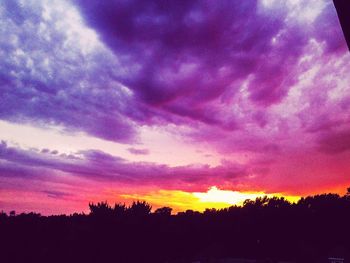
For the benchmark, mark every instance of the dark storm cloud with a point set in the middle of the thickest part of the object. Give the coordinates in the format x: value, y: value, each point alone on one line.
x: 163, y: 62
x: 192, y: 52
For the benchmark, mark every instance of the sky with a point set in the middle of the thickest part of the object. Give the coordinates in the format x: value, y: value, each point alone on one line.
x: 188, y: 104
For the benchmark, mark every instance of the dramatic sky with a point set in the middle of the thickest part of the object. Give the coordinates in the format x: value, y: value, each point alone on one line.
x: 188, y: 104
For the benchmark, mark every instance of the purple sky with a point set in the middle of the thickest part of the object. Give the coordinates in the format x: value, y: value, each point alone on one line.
x: 100, y: 99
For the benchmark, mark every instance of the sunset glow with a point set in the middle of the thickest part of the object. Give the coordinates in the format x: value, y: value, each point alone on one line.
x: 199, y: 201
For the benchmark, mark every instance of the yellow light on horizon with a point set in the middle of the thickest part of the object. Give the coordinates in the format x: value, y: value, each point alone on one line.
x: 199, y: 201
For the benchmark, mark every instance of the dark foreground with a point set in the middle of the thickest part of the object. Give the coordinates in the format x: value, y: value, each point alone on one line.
x: 264, y: 230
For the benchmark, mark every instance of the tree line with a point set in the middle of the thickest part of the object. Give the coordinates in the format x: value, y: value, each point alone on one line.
x: 265, y: 229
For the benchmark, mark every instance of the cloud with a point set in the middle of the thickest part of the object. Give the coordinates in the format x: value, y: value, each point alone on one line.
x: 102, y: 167
x: 138, y: 151
x: 53, y: 78
x: 57, y: 194
x: 11, y: 171
x: 190, y: 54
x: 210, y: 65
x: 222, y: 64
x: 336, y: 142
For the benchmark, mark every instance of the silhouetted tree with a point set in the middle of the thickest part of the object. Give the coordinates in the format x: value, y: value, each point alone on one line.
x: 140, y: 209
x: 3, y: 215
x: 119, y: 209
x: 100, y: 209
x: 277, y: 202
x: 164, y: 211
x: 210, y: 211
